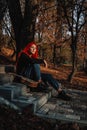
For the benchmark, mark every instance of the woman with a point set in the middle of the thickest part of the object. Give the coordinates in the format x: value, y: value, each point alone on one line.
x: 28, y: 65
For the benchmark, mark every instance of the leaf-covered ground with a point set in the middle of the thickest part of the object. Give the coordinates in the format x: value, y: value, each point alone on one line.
x: 61, y: 73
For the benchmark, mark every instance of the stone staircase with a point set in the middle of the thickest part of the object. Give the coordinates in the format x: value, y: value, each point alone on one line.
x: 71, y: 111
x: 43, y: 104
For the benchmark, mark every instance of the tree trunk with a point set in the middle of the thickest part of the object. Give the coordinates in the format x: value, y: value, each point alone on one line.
x: 16, y: 19
x: 74, y: 61
x: 3, y: 7
x: 72, y: 74
x: 23, y: 26
x: 85, y: 57
x: 54, y: 54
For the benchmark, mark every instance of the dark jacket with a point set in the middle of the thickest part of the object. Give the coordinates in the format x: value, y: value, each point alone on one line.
x: 24, y: 61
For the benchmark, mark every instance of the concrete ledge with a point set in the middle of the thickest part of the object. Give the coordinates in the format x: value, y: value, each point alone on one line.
x: 8, y: 103
x: 5, y: 78
x: 68, y: 111
x: 7, y: 68
x: 37, y: 100
x: 12, y: 90
x: 61, y: 117
x: 41, y: 101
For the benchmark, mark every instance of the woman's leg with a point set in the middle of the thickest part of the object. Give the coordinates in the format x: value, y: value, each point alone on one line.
x: 27, y: 72
x: 56, y: 85
x: 36, y: 72
x: 33, y: 72
x: 48, y: 78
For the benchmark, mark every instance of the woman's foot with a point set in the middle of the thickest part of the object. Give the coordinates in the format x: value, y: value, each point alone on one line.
x: 62, y: 95
x: 42, y: 87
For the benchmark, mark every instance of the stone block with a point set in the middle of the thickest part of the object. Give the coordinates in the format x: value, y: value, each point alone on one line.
x: 9, y: 68
x: 2, y: 69
x: 41, y: 101
x: 22, y: 87
x: 10, y: 92
x: 5, y: 78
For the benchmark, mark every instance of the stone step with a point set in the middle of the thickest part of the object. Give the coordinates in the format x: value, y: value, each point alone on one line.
x: 6, y: 78
x: 4, y: 101
x: 21, y: 96
x: 44, y: 104
x: 69, y: 111
x: 12, y: 90
x: 10, y: 78
x: 7, y: 68
x: 36, y: 99
x: 2, y: 69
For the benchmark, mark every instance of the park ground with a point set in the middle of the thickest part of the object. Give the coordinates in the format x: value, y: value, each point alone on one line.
x: 61, y: 73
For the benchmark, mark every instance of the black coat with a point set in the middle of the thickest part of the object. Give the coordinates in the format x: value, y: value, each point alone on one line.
x: 24, y: 60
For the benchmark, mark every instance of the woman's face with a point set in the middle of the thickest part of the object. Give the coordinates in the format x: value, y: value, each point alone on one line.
x: 33, y: 49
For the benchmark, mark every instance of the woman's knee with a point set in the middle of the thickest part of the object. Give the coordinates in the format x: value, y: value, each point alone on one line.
x: 36, y: 65
x: 47, y: 77
x: 37, y: 73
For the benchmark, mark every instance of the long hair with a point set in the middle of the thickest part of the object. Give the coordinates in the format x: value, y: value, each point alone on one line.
x: 27, y: 52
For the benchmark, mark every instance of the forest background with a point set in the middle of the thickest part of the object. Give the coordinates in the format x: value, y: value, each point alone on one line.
x: 58, y: 27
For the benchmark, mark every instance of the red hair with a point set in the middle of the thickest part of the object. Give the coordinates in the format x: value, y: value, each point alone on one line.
x: 26, y: 50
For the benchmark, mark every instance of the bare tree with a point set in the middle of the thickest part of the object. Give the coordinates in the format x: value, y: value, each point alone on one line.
x: 3, y: 7
x: 74, y: 12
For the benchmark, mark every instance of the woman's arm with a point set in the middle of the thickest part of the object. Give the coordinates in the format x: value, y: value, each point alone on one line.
x: 45, y: 63
x: 31, y: 60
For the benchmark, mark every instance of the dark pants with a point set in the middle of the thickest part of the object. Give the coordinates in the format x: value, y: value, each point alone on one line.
x: 33, y: 72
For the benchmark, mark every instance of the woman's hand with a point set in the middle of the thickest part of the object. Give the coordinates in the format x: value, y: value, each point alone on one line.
x: 45, y: 63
